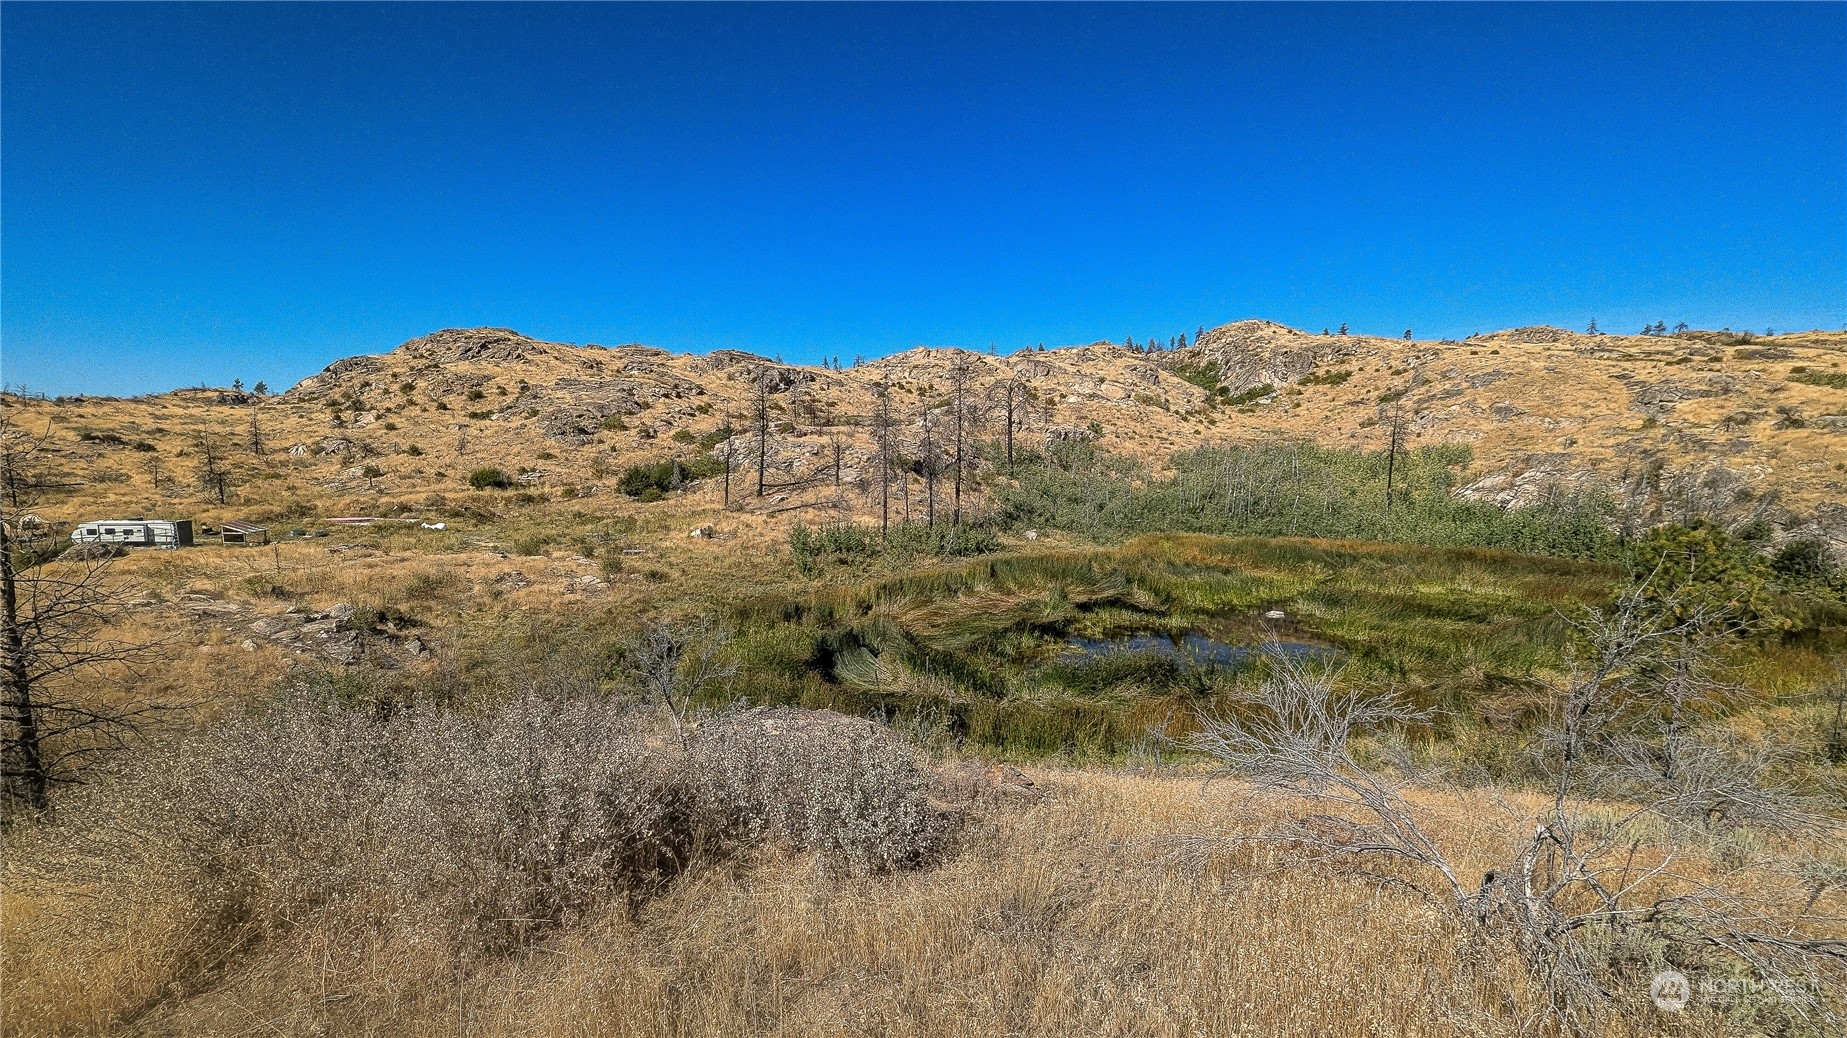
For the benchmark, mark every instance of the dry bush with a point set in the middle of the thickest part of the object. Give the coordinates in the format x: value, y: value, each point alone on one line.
x: 840, y: 787
x: 460, y: 835
x: 1699, y: 866
x: 1063, y: 914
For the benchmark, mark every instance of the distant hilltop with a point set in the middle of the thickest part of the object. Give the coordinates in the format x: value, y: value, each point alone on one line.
x: 1537, y: 407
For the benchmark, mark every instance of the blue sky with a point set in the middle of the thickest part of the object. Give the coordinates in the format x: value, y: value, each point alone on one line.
x: 193, y: 193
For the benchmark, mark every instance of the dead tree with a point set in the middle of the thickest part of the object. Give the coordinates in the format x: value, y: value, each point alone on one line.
x: 1013, y: 398
x: 885, y: 447
x: 929, y: 462
x: 214, y: 478
x: 1393, y: 415
x: 760, y: 420
x: 1576, y: 882
x: 728, y: 457
x: 55, y: 620
x: 256, y: 437
x: 673, y: 665
x: 966, y: 416
x: 22, y: 478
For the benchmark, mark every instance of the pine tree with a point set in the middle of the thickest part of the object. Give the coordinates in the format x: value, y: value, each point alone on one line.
x: 1591, y: 329
x: 1343, y: 328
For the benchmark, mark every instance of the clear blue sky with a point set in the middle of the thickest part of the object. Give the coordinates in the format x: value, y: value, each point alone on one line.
x: 201, y: 192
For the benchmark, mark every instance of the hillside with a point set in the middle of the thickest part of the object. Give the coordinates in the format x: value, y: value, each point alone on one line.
x: 1698, y: 414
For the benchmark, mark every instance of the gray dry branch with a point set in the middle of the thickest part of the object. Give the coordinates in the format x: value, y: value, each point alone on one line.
x: 675, y: 664
x: 1583, y: 890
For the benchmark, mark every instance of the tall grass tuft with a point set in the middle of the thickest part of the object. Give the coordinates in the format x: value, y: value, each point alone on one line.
x: 1292, y: 489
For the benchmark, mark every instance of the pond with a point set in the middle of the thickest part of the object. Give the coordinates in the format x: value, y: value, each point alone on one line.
x: 1192, y: 648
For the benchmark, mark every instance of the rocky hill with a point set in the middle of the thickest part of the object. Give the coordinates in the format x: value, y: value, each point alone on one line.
x: 1689, y: 417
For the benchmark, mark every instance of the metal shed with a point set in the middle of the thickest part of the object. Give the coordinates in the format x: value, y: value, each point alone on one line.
x: 135, y: 533
x: 237, y: 531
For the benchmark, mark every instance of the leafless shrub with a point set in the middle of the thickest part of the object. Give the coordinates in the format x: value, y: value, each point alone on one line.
x: 473, y: 831
x: 1295, y: 740
x: 842, y: 787
x: 1585, y: 894
x: 673, y: 665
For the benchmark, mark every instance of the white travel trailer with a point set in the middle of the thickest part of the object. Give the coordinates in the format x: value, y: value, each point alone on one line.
x: 135, y: 533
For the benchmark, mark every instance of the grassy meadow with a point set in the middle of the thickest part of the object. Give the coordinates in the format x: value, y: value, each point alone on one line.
x: 507, y: 836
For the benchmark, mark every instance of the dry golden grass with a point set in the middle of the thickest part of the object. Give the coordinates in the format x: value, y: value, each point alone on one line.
x: 1071, y: 915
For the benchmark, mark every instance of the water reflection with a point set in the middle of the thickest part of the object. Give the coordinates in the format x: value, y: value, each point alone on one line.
x: 1192, y: 648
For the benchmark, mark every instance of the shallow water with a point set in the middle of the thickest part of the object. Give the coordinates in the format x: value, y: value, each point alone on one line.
x: 1192, y: 648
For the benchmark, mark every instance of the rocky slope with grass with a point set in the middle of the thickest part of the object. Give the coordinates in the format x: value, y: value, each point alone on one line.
x: 1677, y: 420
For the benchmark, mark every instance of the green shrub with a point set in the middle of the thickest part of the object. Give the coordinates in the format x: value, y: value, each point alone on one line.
x: 1334, y: 377
x: 489, y: 478
x: 847, y: 543
x: 1805, y: 558
x: 662, y: 477
x: 1296, y: 489
x: 1825, y: 379
x: 1203, y: 374
x: 531, y: 544
x: 1701, y: 567
x: 658, y: 476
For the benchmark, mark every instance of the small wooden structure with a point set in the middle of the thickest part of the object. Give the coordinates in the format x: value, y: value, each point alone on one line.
x: 237, y: 531
x: 135, y: 533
